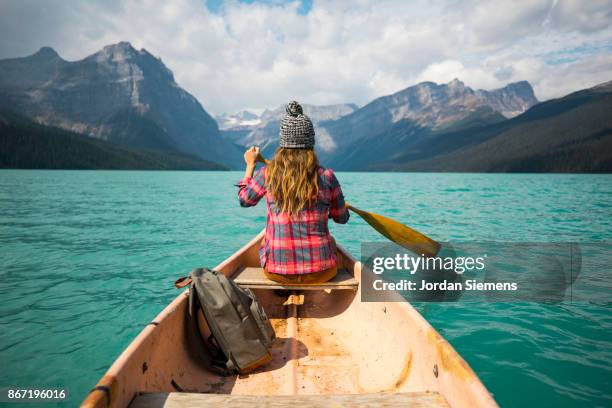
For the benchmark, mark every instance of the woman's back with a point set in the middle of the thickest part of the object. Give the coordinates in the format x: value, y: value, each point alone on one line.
x: 298, y: 243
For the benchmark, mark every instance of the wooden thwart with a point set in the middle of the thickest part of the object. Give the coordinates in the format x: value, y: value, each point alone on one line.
x: 254, y: 278
x: 184, y: 399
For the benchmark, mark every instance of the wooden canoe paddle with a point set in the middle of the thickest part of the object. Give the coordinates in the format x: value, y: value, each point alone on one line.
x: 399, y: 233
x: 394, y: 230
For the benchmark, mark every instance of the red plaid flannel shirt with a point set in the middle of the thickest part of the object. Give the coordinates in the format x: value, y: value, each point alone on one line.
x: 299, y: 244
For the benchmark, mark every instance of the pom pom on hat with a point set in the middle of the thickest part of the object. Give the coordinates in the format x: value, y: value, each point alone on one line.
x: 294, y: 109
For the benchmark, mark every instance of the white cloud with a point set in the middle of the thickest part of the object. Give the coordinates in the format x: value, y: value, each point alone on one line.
x: 261, y: 55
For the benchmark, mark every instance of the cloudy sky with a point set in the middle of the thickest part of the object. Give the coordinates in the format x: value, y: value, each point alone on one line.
x: 255, y: 54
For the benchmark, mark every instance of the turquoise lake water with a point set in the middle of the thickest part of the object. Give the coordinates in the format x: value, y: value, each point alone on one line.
x: 89, y: 258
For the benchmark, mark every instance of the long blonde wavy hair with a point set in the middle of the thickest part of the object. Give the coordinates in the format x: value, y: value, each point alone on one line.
x: 292, y: 179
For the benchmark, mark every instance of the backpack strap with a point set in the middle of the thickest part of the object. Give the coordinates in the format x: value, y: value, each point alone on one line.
x: 203, y: 351
x: 182, y: 282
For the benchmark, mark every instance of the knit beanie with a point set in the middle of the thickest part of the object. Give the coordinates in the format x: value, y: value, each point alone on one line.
x: 296, y: 130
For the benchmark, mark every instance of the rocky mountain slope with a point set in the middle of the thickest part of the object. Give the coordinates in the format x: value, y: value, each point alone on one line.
x: 396, y: 121
x: 120, y: 95
x: 25, y: 144
x: 569, y: 134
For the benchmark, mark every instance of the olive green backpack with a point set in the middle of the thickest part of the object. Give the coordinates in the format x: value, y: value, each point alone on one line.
x: 241, y: 334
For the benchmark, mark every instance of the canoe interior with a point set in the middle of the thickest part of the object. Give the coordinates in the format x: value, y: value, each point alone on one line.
x: 331, y: 344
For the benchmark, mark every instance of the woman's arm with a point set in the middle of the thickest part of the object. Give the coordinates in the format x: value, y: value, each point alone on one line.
x: 337, y: 211
x: 250, y: 158
x: 252, y: 186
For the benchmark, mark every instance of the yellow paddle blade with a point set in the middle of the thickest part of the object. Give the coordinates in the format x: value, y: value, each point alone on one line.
x: 399, y: 233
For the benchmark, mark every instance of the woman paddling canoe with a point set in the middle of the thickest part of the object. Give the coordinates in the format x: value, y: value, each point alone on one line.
x: 301, y: 196
x: 330, y: 345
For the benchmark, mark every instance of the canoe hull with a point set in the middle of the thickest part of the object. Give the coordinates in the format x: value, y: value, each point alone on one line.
x: 332, y: 344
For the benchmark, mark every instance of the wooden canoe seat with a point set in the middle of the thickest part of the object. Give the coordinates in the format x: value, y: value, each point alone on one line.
x: 185, y: 399
x: 254, y: 278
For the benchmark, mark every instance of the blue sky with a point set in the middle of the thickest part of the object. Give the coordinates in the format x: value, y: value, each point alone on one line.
x: 236, y: 55
x: 569, y: 55
x: 216, y: 6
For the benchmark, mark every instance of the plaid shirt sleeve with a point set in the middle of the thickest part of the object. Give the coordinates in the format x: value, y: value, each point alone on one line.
x: 337, y: 210
x: 251, y: 189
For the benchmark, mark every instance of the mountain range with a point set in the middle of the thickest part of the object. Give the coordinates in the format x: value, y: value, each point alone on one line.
x: 450, y: 127
x: 120, y: 95
x: 568, y: 134
x: 128, y: 99
x: 392, y: 122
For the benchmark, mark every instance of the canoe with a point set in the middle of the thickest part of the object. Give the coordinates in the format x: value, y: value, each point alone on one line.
x: 332, y: 349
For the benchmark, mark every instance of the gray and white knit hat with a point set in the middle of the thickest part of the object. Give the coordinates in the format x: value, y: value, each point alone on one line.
x: 296, y: 130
